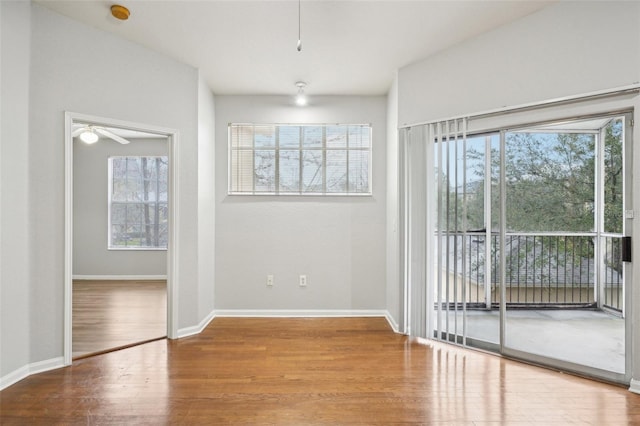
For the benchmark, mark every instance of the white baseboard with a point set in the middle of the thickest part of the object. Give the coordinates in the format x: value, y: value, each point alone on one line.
x: 196, y: 329
x: 120, y: 277
x: 635, y: 386
x: 28, y: 370
x: 392, y: 322
x: 299, y: 313
x: 14, y: 377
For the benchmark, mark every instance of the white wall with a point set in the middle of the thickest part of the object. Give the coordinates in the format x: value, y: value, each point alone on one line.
x: 90, y: 211
x: 206, y: 199
x: 393, y: 271
x: 77, y: 68
x: 566, y: 49
x: 338, y: 242
x: 15, y: 27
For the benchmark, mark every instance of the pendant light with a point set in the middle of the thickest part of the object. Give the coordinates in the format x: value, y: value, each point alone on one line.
x: 301, y: 98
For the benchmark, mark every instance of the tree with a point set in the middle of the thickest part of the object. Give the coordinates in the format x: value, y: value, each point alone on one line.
x: 550, y: 186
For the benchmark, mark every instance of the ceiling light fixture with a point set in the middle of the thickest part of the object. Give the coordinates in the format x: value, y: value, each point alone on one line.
x: 299, y: 46
x: 88, y: 136
x: 301, y: 98
x: 120, y: 12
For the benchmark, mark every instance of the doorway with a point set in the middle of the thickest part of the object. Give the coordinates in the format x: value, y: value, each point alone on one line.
x: 120, y: 192
x: 525, y: 251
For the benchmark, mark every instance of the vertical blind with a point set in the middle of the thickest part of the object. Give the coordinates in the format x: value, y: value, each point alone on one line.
x: 428, y: 164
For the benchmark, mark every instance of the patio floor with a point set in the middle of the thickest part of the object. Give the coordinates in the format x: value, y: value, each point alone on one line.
x: 591, y: 338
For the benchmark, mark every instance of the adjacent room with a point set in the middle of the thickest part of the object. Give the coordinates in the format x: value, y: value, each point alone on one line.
x: 319, y: 212
x: 120, y: 206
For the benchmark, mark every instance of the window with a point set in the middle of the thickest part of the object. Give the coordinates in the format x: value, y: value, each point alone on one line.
x: 138, y: 202
x: 316, y: 159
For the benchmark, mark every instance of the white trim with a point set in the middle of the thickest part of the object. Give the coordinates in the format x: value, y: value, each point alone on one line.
x: 635, y: 87
x: 634, y: 386
x: 196, y: 329
x: 300, y: 313
x: 120, y: 277
x: 67, y: 348
x: 14, y: 377
x: 172, y: 249
x: 392, y: 322
x: 173, y: 237
x: 30, y: 369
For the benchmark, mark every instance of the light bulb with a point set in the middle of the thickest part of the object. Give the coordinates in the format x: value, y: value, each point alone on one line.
x: 88, y: 137
x: 301, y: 99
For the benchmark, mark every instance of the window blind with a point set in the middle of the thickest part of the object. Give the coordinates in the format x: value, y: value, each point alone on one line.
x: 310, y: 159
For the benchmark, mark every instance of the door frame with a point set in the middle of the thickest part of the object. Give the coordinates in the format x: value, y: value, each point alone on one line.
x: 172, y: 246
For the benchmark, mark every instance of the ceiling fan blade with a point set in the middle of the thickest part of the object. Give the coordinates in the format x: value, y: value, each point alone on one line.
x: 79, y: 130
x: 105, y: 132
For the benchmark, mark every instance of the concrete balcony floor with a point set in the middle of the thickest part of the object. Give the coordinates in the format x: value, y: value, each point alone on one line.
x: 586, y: 337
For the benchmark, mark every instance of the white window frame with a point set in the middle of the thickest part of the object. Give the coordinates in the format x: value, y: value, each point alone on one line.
x: 324, y: 149
x: 110, y: 201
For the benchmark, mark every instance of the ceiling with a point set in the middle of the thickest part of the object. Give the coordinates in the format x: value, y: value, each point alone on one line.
x: 249, y: 47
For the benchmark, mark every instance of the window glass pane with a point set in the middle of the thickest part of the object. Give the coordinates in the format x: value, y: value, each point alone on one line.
x: 475, y: 158
x: 163, y: 233
x: 312, y: 137
x: 336, y: 136
x: 289, y: 171
x: 163, y: 191
x: 163, y: 214
x: 265, y: 136
x: 289, y: 137
x: 134, y: 169
x: 312, y: 171
x: 358, y: 171
x: 135, y: 213
x: 138, y: 183
x: 118, y: 214
x: 148, y: 166
x: 118, y: 168
x: 118, y: 235
x: 337, y: 171
x: 119, y: 190
x: 265, y: 171
x: 134, y: 235
x: 358, y: 137
x: 550, y: 181
x: 613, y: 169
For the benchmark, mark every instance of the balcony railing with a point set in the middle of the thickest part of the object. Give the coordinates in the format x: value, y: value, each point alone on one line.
x: 542, y: 270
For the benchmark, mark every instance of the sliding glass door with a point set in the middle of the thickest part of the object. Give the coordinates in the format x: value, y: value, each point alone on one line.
x: 564, y: 225
x: 516, y: 239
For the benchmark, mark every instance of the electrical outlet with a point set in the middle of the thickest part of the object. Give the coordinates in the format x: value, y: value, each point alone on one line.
x: 303, y: 280
x: 269, y: 280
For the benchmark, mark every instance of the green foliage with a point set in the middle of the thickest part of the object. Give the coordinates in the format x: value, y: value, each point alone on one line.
x: 550, y: 187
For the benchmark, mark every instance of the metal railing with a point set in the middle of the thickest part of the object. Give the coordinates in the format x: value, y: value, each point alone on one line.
x: 542, y: 270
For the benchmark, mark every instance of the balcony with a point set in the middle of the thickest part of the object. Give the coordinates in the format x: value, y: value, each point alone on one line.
x: 561, y: 303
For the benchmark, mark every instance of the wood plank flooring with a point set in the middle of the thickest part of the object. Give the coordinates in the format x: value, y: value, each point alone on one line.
x: 114, y: 314
x: 309, y: 371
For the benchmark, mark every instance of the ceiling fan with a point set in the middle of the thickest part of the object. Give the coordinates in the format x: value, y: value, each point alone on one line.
x: 90, y: 133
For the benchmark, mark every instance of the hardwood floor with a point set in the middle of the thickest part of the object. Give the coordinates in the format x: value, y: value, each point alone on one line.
x: 114, y: 314
x: 309, y: 371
